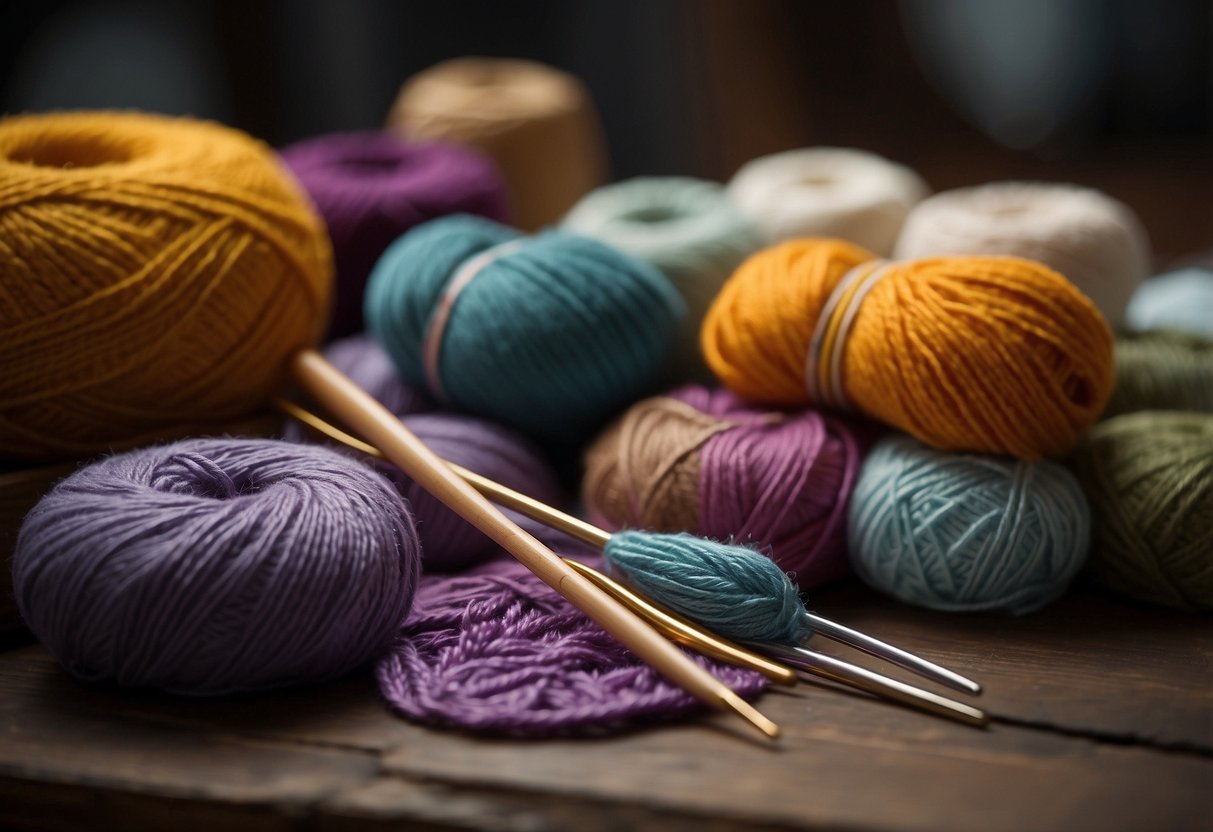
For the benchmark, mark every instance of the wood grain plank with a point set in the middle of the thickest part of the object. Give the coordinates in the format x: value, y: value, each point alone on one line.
x: 832, y: 774
x: 73, y: 763
x: 1089, y: 663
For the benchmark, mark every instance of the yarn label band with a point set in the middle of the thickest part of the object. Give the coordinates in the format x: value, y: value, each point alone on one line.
x: 823, y: 365
x: 432, y: 343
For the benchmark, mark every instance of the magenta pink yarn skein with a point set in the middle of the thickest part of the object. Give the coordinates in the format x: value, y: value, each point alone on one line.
x: 704, y: 461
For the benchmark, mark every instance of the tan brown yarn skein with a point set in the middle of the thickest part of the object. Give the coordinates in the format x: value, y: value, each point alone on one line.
x: 644, y: 469
x: 537, y: 123
x: 707, y: 462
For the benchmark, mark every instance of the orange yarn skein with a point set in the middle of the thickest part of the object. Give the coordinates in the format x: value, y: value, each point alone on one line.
x: 991, y: 354
x: 153, y: 272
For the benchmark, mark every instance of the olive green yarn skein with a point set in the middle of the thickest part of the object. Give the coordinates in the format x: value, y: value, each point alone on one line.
x: 1162, y: 370
x: 1149, y: 479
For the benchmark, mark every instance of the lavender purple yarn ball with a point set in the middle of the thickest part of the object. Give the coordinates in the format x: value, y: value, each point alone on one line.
x: 450, y: 543
x: 372, y: 187
x: 217, y: 565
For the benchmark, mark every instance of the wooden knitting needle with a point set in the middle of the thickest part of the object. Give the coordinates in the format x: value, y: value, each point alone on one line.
x: 675, y: 626
x: 356, y: 408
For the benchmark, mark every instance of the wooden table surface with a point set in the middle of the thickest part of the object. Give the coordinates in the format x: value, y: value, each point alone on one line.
x: 1102, y: 721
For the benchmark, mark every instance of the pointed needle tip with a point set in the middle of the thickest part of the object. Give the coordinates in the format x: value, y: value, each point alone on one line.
x: 750, y: 714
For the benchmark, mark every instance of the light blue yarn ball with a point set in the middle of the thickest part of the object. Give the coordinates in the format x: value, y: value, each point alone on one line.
x: 554, y: 337
x: 1180, y: 300
x: 966, y: 532
x: 686, y: 227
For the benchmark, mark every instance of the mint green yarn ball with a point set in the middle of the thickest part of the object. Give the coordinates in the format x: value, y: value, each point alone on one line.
x: 966, y: 532
x: 553, y: 337
x: 688, y: 228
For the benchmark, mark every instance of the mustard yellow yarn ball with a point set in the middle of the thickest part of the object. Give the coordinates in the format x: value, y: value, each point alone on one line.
x: 154, y: 272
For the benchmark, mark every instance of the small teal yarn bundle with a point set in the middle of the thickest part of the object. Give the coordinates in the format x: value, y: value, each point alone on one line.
x: 966, y: 532
x: 686, y: 227
x: 211, y: 566
x: 552, y: 334
x: 1162, y: 370
x: 735, y: 591
x: 1180, y: 300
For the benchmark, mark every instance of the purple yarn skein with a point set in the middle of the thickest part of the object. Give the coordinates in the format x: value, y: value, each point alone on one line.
x: 372, y: 187
x: 497, y: 651
x: 780, y: 480
x: 210, y: 566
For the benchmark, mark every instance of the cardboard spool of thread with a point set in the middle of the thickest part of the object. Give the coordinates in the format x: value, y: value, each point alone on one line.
x: 537, y: 123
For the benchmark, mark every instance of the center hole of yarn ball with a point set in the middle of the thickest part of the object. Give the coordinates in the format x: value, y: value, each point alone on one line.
x: 371, y: 165
x: 199, y: 476
x: 652, y: 216
x: 82, y: 152
x: 817, y: 181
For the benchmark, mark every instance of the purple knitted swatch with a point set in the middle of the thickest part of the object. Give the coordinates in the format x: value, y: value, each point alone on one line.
x: 495, y: 650
x: 372, y: 187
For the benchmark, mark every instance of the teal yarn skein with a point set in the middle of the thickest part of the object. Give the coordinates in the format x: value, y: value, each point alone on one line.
x: 966, y: 532
x: 552, y: 334
x: 735, y: 591
x: 688, y: 228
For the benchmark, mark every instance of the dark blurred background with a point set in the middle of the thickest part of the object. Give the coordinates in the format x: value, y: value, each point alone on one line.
x: 1114, y: 94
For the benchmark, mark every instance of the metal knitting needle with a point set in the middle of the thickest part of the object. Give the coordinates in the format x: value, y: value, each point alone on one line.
x: 595, y: 536
x: 808, y: 661
x: 828, y: 667
x: 883, y: 650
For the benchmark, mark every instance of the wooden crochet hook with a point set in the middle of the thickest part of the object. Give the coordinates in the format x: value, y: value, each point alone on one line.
x: 356, y: 408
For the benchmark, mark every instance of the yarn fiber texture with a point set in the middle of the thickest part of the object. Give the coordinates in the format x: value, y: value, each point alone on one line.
x: 372, y: 187
x: 211, y: 566
x: 966, y: 532
x: 704, y: 461
x: 553, y: 338
x: 537, y: 123
x: 686, y: 227
x: 1180, y: 300
x: 828, y: 192
x: 1149, y: 478
x: 1095, y: 241
x: 497, y: 651
x: 992, y: 354
x: 1162, y: 371
x: 153, y: 271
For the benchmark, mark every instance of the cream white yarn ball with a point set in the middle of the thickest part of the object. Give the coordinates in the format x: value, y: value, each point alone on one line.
x: 1095, y: 241
x: 828, y: 192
